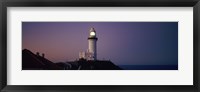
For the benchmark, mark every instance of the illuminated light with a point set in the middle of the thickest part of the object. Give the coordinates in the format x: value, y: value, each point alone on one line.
x: 92, y: 33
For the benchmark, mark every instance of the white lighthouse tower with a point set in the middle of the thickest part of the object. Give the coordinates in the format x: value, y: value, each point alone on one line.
x: 92, y: 45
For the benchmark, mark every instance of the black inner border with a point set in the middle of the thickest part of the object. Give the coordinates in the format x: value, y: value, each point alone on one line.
x: 100, y: 3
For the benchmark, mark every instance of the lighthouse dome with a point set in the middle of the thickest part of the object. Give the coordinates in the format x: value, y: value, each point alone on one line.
x: 92, y: 30
x: 92, y: 33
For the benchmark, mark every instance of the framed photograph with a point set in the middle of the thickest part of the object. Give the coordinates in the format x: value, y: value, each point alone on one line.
x: 131, y: 45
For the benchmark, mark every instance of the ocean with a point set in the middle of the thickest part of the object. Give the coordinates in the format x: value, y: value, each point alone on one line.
x: 149, y: 67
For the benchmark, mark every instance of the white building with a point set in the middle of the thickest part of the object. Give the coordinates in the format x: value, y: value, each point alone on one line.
x: 91, y: 53
x: 92, y: 45
x: 82, y: 55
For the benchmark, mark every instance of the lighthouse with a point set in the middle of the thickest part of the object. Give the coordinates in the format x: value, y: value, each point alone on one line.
x: 92, y: 45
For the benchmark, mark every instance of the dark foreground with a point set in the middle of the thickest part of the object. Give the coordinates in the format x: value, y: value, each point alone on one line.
x: 31, y: 61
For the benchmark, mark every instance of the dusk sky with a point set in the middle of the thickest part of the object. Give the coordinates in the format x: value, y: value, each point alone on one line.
x: 124, y: 43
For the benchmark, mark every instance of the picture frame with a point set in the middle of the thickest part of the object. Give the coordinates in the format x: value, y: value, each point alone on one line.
x: 103, y: 3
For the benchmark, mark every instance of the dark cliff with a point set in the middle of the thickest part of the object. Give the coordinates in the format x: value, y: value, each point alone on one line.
x: 89, y: 65
x: 31, y: 61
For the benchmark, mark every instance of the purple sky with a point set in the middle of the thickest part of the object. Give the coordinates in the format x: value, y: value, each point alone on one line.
x: 124, y: 43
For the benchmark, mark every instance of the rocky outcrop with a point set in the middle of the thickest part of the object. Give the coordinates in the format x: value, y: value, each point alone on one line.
x: 31, y: 61
x: 90, y: 65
